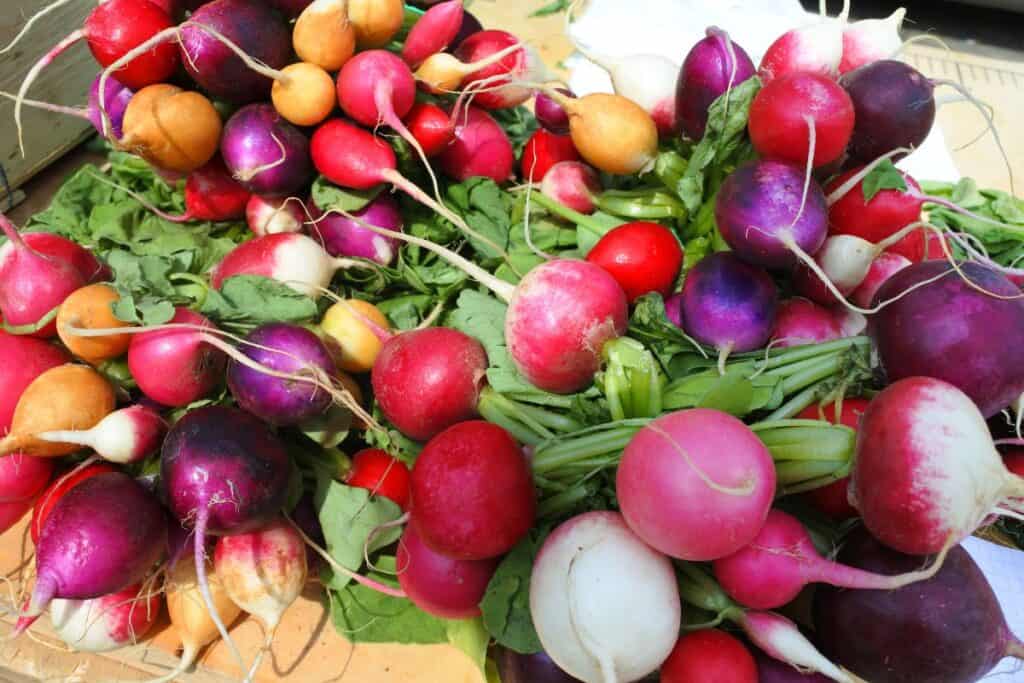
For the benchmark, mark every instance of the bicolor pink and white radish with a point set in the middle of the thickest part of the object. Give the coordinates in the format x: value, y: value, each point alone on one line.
x: 124, y: 436
x: 106, y: 623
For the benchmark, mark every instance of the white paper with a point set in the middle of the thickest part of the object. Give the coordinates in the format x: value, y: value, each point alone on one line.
x: 1004, y: 569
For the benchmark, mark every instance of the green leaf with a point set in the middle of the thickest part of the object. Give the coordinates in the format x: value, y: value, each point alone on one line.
x: 732, y: 393
x: 470, y: 636
x: 884, y: 176
x: 328, y: 429
x: 328, y: 196
x: 551, y: 8
x: 506, y: 604
x: 250, y: 300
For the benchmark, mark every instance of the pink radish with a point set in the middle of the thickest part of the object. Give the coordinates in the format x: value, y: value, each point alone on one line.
x: 124, y: 436
x: 106, y: 623
x: 480, y: 147
x: 800, y: 321
x: 572, y: 184
x: 926, y: 473
x: 816, y: 47
x: 271, y: 215
x: 62, y: 249
x: 870, y: 40
x: 882, y: 268
x: 511, y: 72
x: 782, y: 559
x: 432, y: 32
x: 11, y: 513
x: 22, y: 359
x: 23, y: 476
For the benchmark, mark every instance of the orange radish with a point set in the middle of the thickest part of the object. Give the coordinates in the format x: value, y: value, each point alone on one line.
x: 90, y: 307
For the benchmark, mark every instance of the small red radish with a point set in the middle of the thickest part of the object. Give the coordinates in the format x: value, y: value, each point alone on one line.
x: 106, y: 623
x: 439, y: 585
x: 480, y: 147
x: 642, y: 257
x: 833, y: 499
x: 22, y: 359
x: 713, y: 65
x: 926, y: 473
x: 521, y: 65
x: 800, y: 321
x: 817, y: 47
x: 55, y: 491
x: 432, y: 127
x: 1014, y: 461
x: 23, y: 476
x: 472, y: 492
x: 550, y: 114
x: 211, y: 194
x: 542, y: 151
x: 888, y: 211
x: 572, y: 184
x: 381, y: 474
x: 272, y: 215
x: 786, y: 109
x: 882, y: 268
x: 870, y: 40
x: 690, y: 472
x: 124, y: 436
x: 709, y: 654
x: 433, y: 32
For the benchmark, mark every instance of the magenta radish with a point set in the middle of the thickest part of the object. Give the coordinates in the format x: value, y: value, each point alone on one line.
x: 511, y: 72
x: 480, y: 147
x: 817, y: 47
x: 592, y: 615
x: 10, y: 514
x: 871, y: 40
x: 550, y: 114
x: 769, y: 214
x: 691, y: 471
x: 440, y: 585
x: 272, y: 215
x: 23, y: 476
x: 572, y: 184
x: 344, y: 236
x: 175, y: 367
x: 772, y: 569
x: 62, y: 249
x: 212, y: 194
x: 253, y: 27
x: 265, y: 153
x: 431, y: 126
x: 115, y: 100
x: 104, y: 534
x: 22, y: 360
x: 961, y: 321
x: 926, y: 473
x: 106, y: 623
x: 712, y: 66
x: 800, y: 321
x: 124, y: 436
x: 882, y: 268
x: 770, y: 670
x: 433, y: 32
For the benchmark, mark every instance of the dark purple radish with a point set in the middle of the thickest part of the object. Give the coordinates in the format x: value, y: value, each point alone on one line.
x: 433, y: 32
x: 515, y: 667
x: 104, y: 534
x: 550, y: 114
x: 124, y: 436
x: 948, y: 629
x: 290, y: 8
x: 282, y: 399
x: 265, y: 153
x: 715, y: 64
x: 771, y: 214
x: 770, y: 670
x: 253, y: 27
x: 728, y: 304
x: 222, y: 471
x: 470, y: 25
x: 953, y: 328
x: 344, y: 236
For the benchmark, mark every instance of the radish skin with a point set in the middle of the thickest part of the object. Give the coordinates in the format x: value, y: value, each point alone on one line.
x: 870, y: 40
x: 817, y: 48
x: 22, y: 360
x: 572, y: 184
x: 273, y: 215
x: 106, y: 623
x: 781, y: 639
x: 23, y: 476
x: 124, y: 436
x: 432, y: 32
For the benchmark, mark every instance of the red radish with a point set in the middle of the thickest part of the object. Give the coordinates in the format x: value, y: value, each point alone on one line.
x: 542, y: 151
x: 782, y: 559
x: 211, y: 194
x: 433, y: 129
x: 433, y: 32
x: 55, y: 491
x: 62, y: 249
x: 522, y: 65
x: 800, y: 321
x: 713, y: 66
x: 272, y: 215
x: 817, y: 47
x: 833, y: 500
x: 550, y: 114
x: 439, y: 585
x: 23, y: 476
x: 572, y: 184
x: 709, y: 654
x: 32, y: 285
x: 480, y: 147
x: 786, y: 109
x: 176, y: 367
x: 472, y: 492
x: 870, y: 40
x: 106, y: 623
x: 642, y: 257
x: 692, y: 471
x: 889, y: 211
x: 22, y: 359
x: 11, y: 513
x: 381, y: 474
x: 926, y: 474
x: 124, y: 436
x: 1014, y: 461
x: 882, y: 268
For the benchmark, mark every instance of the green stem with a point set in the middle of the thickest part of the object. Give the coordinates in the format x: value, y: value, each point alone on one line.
x: 568, y: 214
x: 31, y: 328
x: 563, y: 503
x: 800, y: 401
x: 697, y: 588
x: 607, y: 438
x: 196, y: 280
x: 496, y: 402
x: 637, y: 209
x: 796, y: 353
x: 812, y: 374
x: 491, y: 412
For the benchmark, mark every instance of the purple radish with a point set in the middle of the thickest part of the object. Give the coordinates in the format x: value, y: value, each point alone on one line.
x: 550, y: 114
x: 770, y: 670
x: 280, y: 399
x: 124, y: 436
x: 433, y: 32
x: 572, y: 184
x: 343, y: 236
x: 252, y: 26
x: 272, y: 215
x: 265, y: 153
x: 104, y: 534
x: 674, y: 309
x: 106, y: 623
x: 713, y: 65
x: 515, y: 667
x: 115, y: 101
x: 766, y: 216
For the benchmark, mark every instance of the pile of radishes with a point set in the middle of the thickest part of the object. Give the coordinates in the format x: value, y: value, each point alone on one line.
x: 174, y: 464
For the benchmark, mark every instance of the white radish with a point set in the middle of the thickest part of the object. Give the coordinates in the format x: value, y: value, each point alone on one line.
x: 781, y: 639
x: 124, y: 436
x: 869, y: 40
x: 271, y: 215
x: 817, y: 47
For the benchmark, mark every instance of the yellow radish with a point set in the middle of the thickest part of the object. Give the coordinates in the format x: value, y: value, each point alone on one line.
x: 323, y: 35
x: 354, y: 329
x: 88, y: 308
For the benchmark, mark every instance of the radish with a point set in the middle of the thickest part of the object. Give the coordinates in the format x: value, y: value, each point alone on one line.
x: 116, y: 97
x: 844, y: 260
x: 175, y: 367
x: 329, y: 49
x: 690, y: 471
x: 22, y: 360
x: 272, y: 215
x: 572, y: 184
x: 643, y: 257
x: 265, y: 153
x: 789, y: 110
x: 780, y: 638
x: 342, y: 236
x: 871, y: 40
x: 375, y: 22
x: 106, y: 623
x: 212, y: 194
x: 439, y: 585
x: 817, y: 47
x: 32, y: 285
x: 433, y: 32
x: 293, y: 353
x: 222, y: 472
x: 104, y: 534
x: 472, y: 492
x: 961, y: 321
x: 832, y: 500
x: 800, y: 321
x: 355, y: 332
x: 10, y: 514
x: 594, y: 619
x: 442, y: 73
x: 771, y: 570
x: 713, y: 66
x: 948, y: 629
x: 542, y: 151
x: 922, y: 489
x: 550, y: 114
x: 537, y: 667
x: 470, y: 25
x: 62, y: 249
x: 728, y: 304
x: 433, y: 129
x: 22, y: 477
x: 124, y: 436
x: 771, y: 670
x: 522, y: 65
x: 55, y: 491
x: 479, y: 147
x: 255, y: 28
x: 174, y: 130
x: 709, y: 654
x: 382, y: 475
